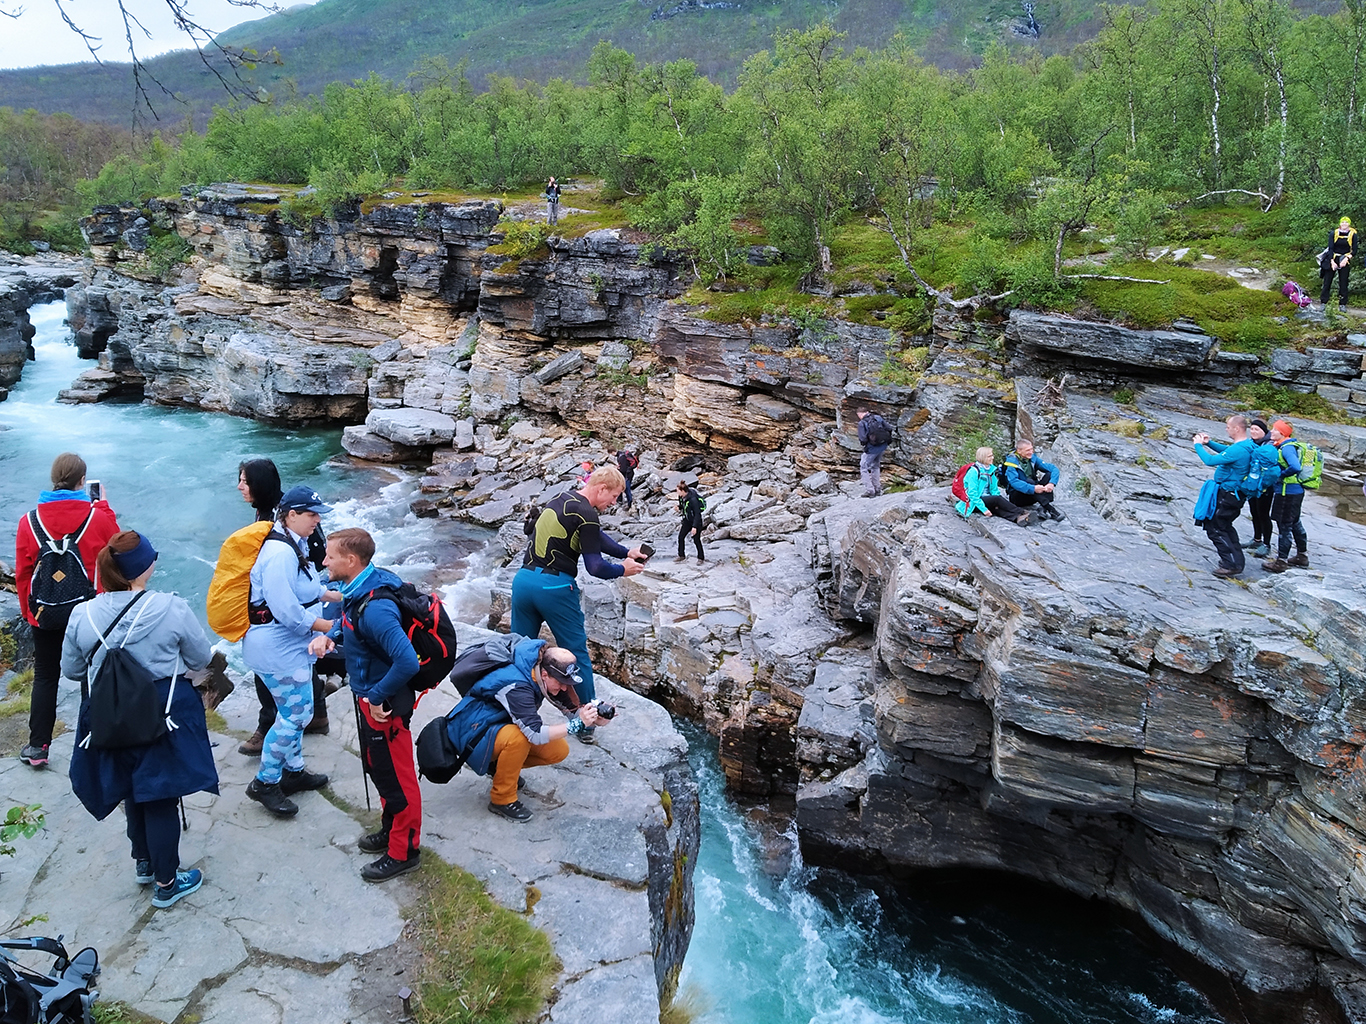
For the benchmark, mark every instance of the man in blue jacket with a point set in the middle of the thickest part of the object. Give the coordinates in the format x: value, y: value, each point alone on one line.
x: 1031, y: 481
x: 1230, y: 468
x: 498, y: 722
x: 380, y: 661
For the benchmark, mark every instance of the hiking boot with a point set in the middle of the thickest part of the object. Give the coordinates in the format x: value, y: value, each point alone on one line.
x: 387, y: 867
x: 317, y: 727
x: 586, y: 736
x: 142, y: 872
x: 185, y: 883
x: 1299, y: 561
x: 251, y: 746
x: 1056, y: 514
x: 1249, y: 545
x: 1262, y: 550
x: 1276, y: 565
x: 34, y: 755
x: 270, y: 796
x: 1022, y: 519
x: 1224, y: 572
x: 515, y: 811
x: 681, y: 558
x: 375, y: 842
x: 301, y: 781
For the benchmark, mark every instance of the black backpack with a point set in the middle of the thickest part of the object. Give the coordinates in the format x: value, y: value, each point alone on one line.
x: 122, y: 707
x: 878, y: 431
x: 429, y: 630
x: 59, y: 577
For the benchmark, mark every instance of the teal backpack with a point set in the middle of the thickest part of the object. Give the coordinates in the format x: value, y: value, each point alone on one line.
x: 1263, y: 470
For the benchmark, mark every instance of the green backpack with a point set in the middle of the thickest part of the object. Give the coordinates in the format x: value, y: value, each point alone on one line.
x: 1311, y: 463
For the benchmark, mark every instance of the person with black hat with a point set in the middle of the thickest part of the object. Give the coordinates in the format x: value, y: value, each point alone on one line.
x: 160, y: 632
x: 287, y: 597
x: 498, y: 722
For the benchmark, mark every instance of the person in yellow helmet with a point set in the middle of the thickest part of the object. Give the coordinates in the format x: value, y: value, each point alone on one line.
x: 1337, y: 259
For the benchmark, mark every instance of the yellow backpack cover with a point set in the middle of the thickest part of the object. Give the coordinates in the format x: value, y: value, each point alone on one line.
x: 230, y: 591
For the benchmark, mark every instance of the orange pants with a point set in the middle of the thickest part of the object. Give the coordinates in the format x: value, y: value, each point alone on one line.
x: 513, y: 752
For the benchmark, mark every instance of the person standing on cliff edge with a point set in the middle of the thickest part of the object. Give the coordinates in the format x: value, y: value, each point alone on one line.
x: 1231, y: 464
x: 545, y: 591
x: 875, y: 435
x: 1337, y: 260
x: 55, y: 568
x: 552, y: 201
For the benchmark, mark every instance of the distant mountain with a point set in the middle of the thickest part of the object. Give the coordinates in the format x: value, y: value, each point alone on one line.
x: 537, y: 39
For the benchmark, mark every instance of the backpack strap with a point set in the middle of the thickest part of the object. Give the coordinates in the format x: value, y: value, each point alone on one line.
x: 104, y: 637
x: 44, y: 536
x: 302, y: 558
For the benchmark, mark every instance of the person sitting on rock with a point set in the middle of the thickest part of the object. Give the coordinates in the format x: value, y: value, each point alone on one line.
x: 1031, y: 481
x: 498, y: 723
x: 286, y: 595
x: 984, y: 494
x: 380, y: 660
x: 545, y: 590
x: 1231, y: 464
x: 1288, y: 502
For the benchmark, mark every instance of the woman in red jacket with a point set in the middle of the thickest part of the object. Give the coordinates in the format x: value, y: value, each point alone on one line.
x: 55, y: 551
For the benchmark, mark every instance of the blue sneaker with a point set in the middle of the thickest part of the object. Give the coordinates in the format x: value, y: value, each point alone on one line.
x: 142, y: 872
x: 185, y: 883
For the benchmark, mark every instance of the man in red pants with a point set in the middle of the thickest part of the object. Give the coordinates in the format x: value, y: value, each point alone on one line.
x: 380, y: 662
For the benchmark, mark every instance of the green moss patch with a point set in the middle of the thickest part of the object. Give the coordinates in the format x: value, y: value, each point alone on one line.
x: 1265, y: 397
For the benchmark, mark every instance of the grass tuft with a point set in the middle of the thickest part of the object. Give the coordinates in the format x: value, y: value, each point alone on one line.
x: 482, y: 963
x: 18, y: 696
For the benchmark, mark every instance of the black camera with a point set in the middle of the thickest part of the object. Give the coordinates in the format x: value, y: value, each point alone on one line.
x: 605, y: 709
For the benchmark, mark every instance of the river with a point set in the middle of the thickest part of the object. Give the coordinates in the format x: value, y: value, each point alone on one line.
x: 773, y: 945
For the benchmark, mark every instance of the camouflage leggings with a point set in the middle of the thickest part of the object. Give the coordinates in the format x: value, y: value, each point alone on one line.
x: 284, y: 744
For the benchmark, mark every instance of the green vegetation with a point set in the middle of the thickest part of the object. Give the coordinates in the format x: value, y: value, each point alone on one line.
x: 167, y: 251
x: 1271, y: 399
x: 482, y: 964
x: 20, y: 822
x: 16, y: 701
x: 117, y: 1012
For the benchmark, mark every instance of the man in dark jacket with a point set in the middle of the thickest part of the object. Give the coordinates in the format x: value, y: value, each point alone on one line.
x: 498, y: 723
x: 690, y: 505
x: 627, y: 462
x: 874, y: 435
x: 1031, y: 481
x: 1337, y: 260
x: 380, y: 661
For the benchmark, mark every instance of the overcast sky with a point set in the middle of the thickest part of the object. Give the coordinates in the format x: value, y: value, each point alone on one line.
x: 39, y: 35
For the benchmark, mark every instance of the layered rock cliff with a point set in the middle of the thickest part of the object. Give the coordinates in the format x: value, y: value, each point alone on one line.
x: 1081, y: 703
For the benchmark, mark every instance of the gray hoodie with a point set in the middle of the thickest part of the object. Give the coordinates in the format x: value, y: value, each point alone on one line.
x: 160, y: 630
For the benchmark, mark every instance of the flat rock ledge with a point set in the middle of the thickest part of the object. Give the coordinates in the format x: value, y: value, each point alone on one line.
x: 284, y: 929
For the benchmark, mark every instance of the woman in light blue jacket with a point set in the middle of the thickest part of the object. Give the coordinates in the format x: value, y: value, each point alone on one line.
x: 286, y: 604
x: 165, y: 638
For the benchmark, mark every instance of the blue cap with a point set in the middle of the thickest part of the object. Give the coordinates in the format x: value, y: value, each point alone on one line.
x: 134, y: 563
x: 304, y: 499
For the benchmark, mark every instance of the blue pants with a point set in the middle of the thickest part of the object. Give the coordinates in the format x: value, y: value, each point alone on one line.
x: 154, y: 831
x: 284, y: 744
x: 539, y: 597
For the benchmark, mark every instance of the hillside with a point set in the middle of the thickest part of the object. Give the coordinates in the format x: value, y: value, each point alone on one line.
x: 539, y: 39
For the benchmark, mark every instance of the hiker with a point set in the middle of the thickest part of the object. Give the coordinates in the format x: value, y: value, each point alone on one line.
x: 1259, y: 505
x: 984, y: 494
x: 1289, y: 501
x: 545, y: 589
x: 54, y: 566
x: 690, y: 506
x: 164, y: 636
x: 552, y: 201
x: 380, y: 661
x: 258, y: 481
x: 287, y: 596
x: 627, y: 461
x: 875, y: 435
x: 1031, y: 481
x: 585, y: 471
x: 1232, y: 463
x: 1337, y: 260
x: 510, y: 698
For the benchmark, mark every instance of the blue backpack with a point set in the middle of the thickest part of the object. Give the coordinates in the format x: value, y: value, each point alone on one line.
x: 1263, y: 470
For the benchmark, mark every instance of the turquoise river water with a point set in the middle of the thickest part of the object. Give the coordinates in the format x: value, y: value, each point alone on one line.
x: 784, y: 944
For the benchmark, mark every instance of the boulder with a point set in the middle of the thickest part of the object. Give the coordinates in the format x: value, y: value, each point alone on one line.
x: 412, y: 428
x: 361, y: 443
x: 1109, y: 343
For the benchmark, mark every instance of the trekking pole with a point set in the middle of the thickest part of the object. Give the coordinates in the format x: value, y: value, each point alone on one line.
x: 360, y: 742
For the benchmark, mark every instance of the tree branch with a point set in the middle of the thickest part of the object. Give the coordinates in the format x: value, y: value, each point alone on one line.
x: 1269, y: 200
x: 1114, y: 277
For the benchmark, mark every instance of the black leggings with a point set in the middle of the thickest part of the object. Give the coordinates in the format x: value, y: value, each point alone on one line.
x: 683, y: 532
x: 1342, y: 286
x: 47, y: 670
x: 1259, y: 508
x: 154, y: 831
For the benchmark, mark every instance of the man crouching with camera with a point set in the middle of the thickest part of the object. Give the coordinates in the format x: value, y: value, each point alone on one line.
x: 499, y: 719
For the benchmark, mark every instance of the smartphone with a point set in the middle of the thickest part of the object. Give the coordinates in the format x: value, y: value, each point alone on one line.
x: 647, y: 551
x: 93, y: 486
